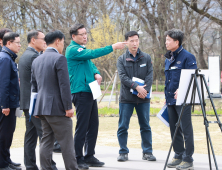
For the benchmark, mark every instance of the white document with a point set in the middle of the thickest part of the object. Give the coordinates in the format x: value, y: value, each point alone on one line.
x: 95, y: 88
x: 137, y: 79
x: 214, y: 72
x: 18, y: 112
x: 141, y: 81
x: 32, y: 103
x: 185, y: 78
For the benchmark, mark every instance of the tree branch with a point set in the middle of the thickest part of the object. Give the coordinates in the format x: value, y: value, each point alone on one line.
x: 202, y: 12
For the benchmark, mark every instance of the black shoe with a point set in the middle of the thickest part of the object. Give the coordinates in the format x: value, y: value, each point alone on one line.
x: 148, y: 157
x: 14, y: 167
x: 82, y: 164
x: 7, y: 168
x: 15, y: 164
x: 57, y: 147
x: 122, y: 157
x: 93, y: 162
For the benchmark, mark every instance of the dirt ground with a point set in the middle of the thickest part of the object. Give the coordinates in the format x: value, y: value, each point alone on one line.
x: 161, y: 134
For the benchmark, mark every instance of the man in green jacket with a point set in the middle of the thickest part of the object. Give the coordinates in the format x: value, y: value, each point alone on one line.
x: 82, y: 71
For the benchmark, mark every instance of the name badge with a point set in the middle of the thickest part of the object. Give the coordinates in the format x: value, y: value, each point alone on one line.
x: 142, y: 65
x: 174, y: 67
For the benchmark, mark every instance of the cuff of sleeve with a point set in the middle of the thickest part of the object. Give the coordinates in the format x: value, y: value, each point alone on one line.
x: 111, y: 48
x: 134, y: 85
x: 4, y: 106
x: 148, y: 90
x: 69, y: 106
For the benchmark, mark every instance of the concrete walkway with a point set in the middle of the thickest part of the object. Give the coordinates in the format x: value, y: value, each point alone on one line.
x: 109, y: 155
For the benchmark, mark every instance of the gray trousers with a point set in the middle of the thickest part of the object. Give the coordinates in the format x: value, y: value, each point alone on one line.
x: 59, y: 127
x: 33, y: 131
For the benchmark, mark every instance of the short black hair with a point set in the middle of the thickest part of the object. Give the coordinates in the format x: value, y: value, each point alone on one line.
x: 74, y: 29
x: 175, y: 34
x: 53, y: 35
x: 32, y: 34
x: 9, y: 36
x: 3, y: 31
x: 130, y: 34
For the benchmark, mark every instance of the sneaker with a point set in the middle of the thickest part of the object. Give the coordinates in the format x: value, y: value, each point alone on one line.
x: 82, y: 164
x: 93, y: 162
x: 122, y: 157
x: 174, y: 163
x: 148, y: 157
x: 185, y: 166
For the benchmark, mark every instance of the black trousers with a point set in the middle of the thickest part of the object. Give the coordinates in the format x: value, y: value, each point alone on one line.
x: 184, y: 134
x: 87, y: 124
x: 32, y: 133
x: 7, y: 128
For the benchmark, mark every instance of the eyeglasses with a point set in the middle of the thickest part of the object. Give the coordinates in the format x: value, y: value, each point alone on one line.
x: 19, y: 43
x: 82, y: 34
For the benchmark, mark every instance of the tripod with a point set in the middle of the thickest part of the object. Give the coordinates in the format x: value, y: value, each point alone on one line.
x: 199, y: 87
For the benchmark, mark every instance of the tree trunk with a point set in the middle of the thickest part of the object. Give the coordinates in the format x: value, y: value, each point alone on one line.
x: 201, y: 55
x: 221, y: 48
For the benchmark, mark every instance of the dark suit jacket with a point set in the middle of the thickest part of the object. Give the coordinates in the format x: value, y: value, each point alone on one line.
x: 25, y: 64
x: 50, y: 79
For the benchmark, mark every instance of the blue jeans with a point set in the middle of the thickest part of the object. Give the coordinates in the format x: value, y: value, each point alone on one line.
x: 143, y: 113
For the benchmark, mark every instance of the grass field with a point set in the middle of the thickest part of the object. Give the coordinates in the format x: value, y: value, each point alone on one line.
x: 161, y: 134
x: 160, y: 87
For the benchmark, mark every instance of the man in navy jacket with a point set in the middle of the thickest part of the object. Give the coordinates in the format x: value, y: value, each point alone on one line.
x: 178, y: 58
x: 9, y: 97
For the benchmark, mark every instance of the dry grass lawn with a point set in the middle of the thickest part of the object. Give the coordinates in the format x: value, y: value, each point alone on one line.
x: 161, y: 134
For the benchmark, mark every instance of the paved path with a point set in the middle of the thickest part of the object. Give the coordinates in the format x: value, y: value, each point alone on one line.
x: 109, y: 155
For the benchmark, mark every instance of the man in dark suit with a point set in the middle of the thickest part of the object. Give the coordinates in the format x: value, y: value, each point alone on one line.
x: 9, y: 97
x: 50, y: 79
x: 36, y: 44
x: 2, y: 33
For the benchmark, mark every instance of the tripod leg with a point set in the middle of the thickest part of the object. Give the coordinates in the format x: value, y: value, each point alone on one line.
x: 211, y: 100
x: 212, y: 149
x: 193, y: 95
x: 208, y: 146
x: 205, y: 123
